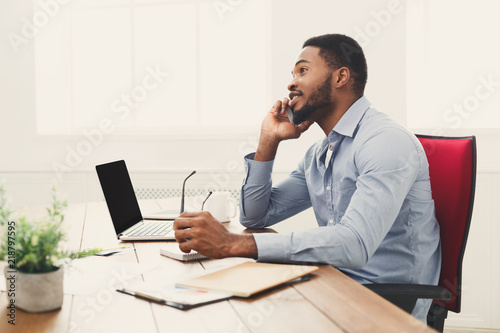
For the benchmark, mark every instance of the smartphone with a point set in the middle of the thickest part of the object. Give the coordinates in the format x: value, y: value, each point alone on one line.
x: 289, y: 113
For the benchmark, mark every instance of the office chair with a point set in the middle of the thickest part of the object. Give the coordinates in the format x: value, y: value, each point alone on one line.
x: 452, y: 169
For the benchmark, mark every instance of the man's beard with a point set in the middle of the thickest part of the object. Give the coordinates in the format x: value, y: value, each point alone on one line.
x: 319, y: 99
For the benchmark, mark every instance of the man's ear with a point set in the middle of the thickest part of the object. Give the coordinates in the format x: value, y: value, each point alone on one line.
x: 342, y: 76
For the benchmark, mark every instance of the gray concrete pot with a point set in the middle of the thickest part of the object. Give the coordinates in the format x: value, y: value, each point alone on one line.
x: 35, y: 292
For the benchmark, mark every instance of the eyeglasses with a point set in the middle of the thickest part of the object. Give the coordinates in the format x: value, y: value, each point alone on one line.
x: 183, y: 188
x: 208, y: 196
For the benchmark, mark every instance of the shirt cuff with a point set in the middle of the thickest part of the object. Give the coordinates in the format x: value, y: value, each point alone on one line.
x: 273, y: 247
x: 258, y: 172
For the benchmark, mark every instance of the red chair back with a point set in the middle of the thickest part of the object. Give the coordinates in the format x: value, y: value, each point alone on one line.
x: 452, y: 169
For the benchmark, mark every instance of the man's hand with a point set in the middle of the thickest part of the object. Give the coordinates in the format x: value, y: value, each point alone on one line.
x: 275, y: 128
x: 201, y: 232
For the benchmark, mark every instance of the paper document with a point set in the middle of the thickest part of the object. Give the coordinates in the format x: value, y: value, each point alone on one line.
x: 169, y: 294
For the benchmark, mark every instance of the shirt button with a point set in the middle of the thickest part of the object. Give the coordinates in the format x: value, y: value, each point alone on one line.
x: 328, y: 188
x: 330, y: 147
x: 330, y: 221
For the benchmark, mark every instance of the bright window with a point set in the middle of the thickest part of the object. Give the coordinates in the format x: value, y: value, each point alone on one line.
x: 152, y: 66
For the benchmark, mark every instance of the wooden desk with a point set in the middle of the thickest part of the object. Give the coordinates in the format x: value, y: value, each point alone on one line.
x: 329, y: 302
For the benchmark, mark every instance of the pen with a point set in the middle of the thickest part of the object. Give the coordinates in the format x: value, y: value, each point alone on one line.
x: 115, y: 248
x: 110, y: 251
x: 150, y: 298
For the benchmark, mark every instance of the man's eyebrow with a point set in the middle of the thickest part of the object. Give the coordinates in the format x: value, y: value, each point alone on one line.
x: 299, y: 62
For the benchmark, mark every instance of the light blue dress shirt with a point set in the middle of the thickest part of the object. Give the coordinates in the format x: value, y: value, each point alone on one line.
x: 372, y: 202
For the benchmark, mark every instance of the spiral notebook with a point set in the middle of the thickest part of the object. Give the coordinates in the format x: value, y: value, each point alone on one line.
x: 173, y: 251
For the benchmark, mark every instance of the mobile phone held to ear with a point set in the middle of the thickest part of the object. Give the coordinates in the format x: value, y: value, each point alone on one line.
x: 289, y: 113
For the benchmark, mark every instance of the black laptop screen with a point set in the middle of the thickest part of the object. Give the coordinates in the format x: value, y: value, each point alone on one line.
x: 119, y: 194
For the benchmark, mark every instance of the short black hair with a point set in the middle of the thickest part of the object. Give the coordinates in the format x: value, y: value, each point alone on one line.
x: 343, y: 51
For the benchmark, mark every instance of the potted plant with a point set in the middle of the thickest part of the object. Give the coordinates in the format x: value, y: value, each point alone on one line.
x: 34, y: 277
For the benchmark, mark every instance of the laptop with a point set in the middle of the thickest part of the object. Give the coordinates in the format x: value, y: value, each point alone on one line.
x: 124, y: 209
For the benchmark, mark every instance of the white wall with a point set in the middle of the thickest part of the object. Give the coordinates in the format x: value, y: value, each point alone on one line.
x: 163, y: 161
x: 23, y: 150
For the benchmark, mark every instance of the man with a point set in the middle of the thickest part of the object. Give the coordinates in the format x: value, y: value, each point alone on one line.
x: 367, y: 181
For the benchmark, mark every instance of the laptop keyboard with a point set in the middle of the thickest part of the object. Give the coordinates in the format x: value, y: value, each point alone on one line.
x: 159, y: 228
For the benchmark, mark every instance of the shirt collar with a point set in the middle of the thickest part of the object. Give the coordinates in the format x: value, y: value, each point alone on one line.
x: 345, y: 127
x: 349, y: 122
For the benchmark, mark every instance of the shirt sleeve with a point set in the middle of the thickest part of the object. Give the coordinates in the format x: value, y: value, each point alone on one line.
x: 388, y: 165
x: 263, y: 205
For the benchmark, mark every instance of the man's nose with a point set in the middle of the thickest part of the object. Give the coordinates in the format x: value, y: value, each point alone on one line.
x: 293, y: 84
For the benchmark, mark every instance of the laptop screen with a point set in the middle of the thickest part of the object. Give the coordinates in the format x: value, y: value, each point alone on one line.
x: 119, y: 194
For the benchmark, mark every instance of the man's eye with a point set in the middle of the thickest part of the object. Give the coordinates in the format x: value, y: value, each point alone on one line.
x: 303, y: 69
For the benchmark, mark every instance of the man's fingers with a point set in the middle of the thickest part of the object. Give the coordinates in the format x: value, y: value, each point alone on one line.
x: 299, y: 129
x: 284, y: 105
x: 182, y: 234
x: 305, y: 126
x: 190, y: 214
x: 185, y: 247
x: 276, y: 108
x: 182, y: 223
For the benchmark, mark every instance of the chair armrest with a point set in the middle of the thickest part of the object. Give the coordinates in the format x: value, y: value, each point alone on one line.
x: 410, y: 290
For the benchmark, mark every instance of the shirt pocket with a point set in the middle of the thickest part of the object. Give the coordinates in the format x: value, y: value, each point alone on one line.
x: 343, y: 192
